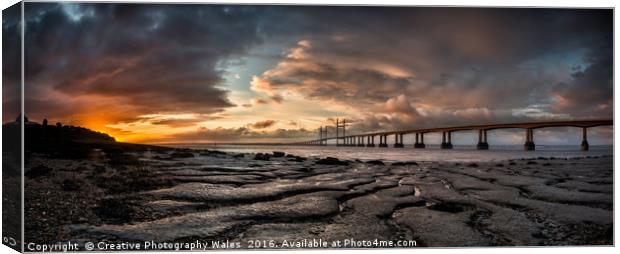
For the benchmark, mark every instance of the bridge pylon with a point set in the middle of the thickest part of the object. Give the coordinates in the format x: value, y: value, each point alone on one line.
x: 529, y: 140
x: 482, y: 140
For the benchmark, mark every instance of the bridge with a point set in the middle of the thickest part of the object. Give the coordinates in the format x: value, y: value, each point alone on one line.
x: 368, y: 139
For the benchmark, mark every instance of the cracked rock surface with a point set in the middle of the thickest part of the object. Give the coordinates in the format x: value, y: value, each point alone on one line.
x: 225, y: 196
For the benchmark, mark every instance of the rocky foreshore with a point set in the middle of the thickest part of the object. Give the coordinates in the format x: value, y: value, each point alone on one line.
x: 181, y: 195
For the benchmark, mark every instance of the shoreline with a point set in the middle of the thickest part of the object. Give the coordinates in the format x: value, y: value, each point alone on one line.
x: 246, y: 196
x: 432, y: 153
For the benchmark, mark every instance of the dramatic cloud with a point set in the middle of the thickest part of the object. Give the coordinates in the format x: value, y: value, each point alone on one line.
x: 589, y: 90
x: 11, y: 62
x: 160, y: 73
x: 134, y: 58
x: 415, y: 68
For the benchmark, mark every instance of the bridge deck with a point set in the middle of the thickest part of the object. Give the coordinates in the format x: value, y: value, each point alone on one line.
x: 529, y: 125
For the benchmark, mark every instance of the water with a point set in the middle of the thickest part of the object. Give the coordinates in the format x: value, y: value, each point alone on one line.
x: 430, y: 153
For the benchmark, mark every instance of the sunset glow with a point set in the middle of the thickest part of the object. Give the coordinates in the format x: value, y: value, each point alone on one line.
x: 215, y: 73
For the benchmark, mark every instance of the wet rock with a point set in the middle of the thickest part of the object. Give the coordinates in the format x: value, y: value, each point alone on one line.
x: 472, y: 165
x: 38, y: 171
x: 213, y: 153
x: 433, y: 226
x: 450, y: 207
x: 181, y: 155
x: 546, y: 164
x: 405, y: 163
x: 297, y: 159
x: 216, y: 222
x: 223, y: 198
x: 262, y: 156
x: 238, y: 155
x: 205, y: 192
x: 376, y: 162
x: 531, y: 163
x: 168, y: 206
x: 512, y: 163
x: 331, y: 161
x: 99, y: 169
x: 499, y: 165
x: 277, y: 154
x: 70, y: 185
x: 115, y: 210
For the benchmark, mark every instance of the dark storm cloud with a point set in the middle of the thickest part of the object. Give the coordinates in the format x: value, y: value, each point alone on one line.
x: 590, y: 90
x: 152, y: 58
x: 11, y: 63
x: 473, y: 64
x: 401, y: 67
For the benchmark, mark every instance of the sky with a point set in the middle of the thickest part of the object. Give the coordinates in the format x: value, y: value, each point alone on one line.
x: 173, y: 73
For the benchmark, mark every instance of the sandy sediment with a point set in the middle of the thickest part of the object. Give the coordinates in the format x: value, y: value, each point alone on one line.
x: 187, y: 195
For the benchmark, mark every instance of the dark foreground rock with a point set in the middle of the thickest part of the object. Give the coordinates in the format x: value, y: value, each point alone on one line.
x: 144, y: 196
x: 262, y: 157
x: 277, y: 154
x: 405, y: 163
x: 331, y: 161
x: 375, y: 162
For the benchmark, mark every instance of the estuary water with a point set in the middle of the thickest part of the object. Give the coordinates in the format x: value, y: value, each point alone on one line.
x: 408, y: 153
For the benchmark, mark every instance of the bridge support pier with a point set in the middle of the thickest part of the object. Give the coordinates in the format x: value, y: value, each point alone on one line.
x: 446, y: 144
x: 482, y: 140
x: 529, y: 140
x: 370, y: 142
x: 398, y: 141
x: 383, y: 141
x: 419, y: 140
x: 360, y: 141
x: 584, y: 142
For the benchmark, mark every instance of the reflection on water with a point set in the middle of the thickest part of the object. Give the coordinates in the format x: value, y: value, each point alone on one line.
x: 431, y: 153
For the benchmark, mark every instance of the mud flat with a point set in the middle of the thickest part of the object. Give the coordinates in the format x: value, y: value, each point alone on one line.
x: 188, y: 195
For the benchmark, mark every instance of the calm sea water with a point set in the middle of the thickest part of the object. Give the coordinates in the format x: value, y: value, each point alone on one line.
x: 431, y: 153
